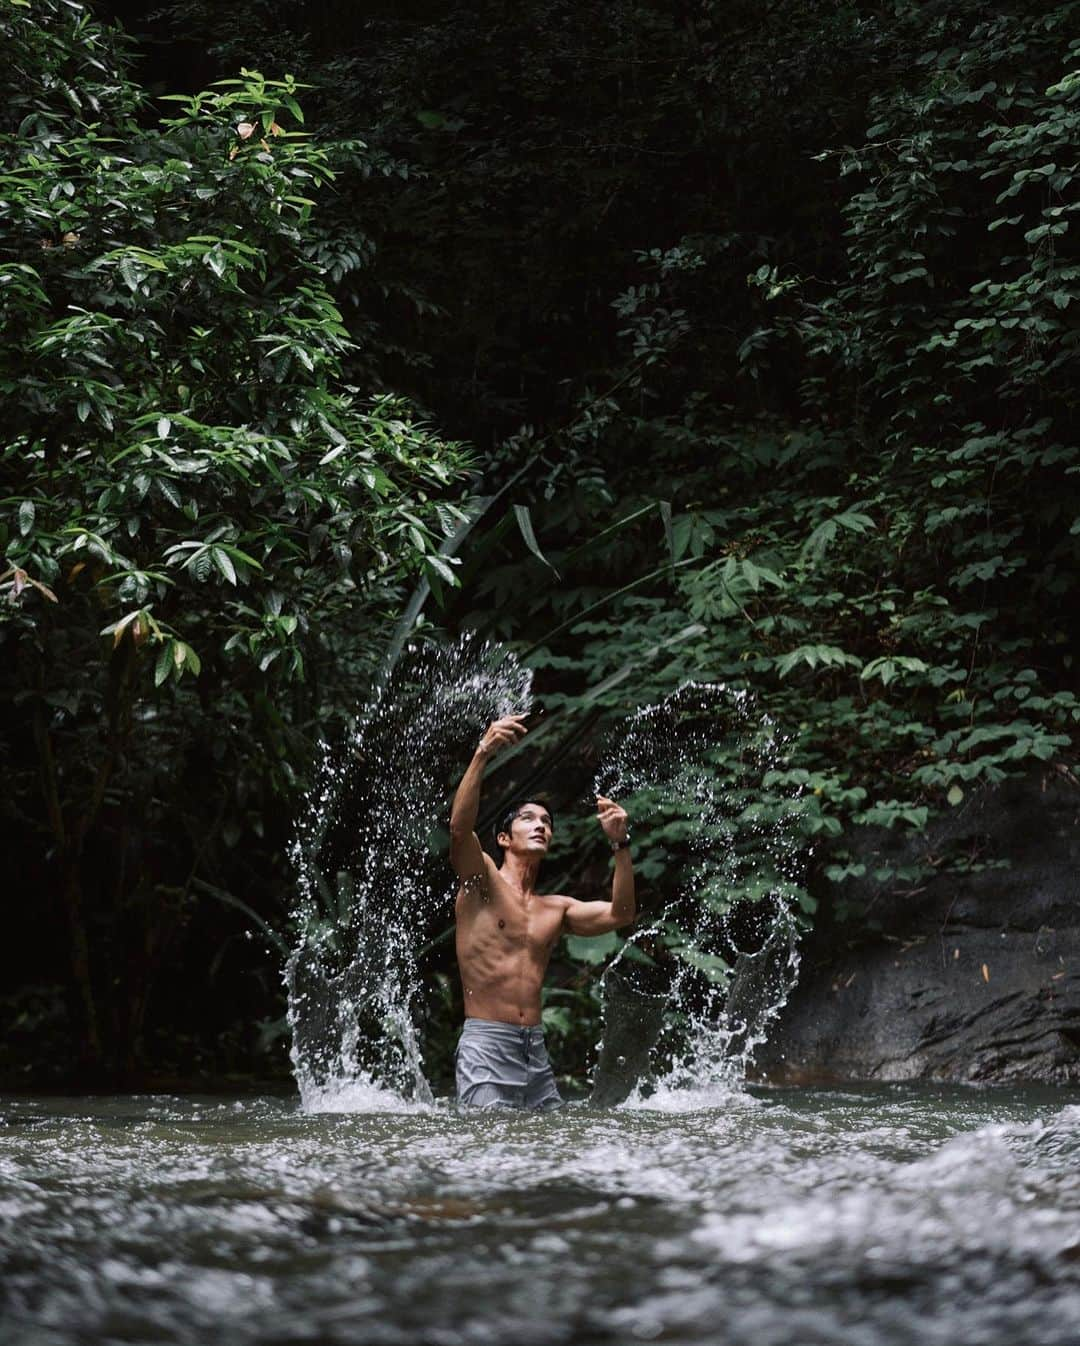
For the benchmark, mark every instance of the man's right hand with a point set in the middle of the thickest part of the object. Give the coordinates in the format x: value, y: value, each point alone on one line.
x: 501, y: 733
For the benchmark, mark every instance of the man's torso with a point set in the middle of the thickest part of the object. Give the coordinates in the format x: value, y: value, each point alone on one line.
x: 504, y: 943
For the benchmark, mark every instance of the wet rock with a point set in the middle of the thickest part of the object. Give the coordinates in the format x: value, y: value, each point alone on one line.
x: 974, y: 978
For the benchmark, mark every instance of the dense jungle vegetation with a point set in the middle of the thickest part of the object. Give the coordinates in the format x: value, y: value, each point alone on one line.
x: 661, y: 340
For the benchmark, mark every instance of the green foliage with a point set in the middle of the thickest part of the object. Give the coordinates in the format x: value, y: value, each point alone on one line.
x: 762, y: 320
x: 181, y: 437
x: 518, y: 161
x: 196, y: 511
x: 892, y: 568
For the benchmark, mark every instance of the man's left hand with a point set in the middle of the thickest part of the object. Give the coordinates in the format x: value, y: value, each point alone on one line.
x: 613, y: 819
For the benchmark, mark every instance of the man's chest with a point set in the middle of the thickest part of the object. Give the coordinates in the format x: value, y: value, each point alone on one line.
x: 533, y: 926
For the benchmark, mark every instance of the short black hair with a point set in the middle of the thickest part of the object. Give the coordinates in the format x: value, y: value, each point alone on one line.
x: 503, y: 825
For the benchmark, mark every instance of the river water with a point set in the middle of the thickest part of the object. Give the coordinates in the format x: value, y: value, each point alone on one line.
x: 876, y: 1216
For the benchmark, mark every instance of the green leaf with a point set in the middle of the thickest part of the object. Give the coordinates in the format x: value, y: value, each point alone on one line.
x: 524, y: 522
x: 556, y: 1020
x: 887, y: 668
x: 593, y: 949
x: 715, y: 968
x: 169, y: 491
x: 164, y: 665
x: 27, y: 514
x: 818, y: 542
x: 129, y: 273
x: 669, y: 535
x: 223, y: 561
x: 754, y: 574
x: 442, y: 568
x: 827, y: 656
x: 855, y: 522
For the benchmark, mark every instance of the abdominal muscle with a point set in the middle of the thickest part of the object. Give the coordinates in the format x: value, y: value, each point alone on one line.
x: 502, y: 965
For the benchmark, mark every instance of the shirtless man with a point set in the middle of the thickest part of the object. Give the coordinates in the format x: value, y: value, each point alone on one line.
x: 506, y: 931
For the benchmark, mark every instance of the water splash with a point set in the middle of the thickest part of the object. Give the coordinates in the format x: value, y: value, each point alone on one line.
x: 369, y: 886
x: 723, y: 949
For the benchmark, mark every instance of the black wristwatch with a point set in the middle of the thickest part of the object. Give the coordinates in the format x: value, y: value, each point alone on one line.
x: 620, y: 845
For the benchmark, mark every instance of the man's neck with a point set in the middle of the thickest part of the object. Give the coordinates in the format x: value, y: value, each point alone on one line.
x: 520, y: 873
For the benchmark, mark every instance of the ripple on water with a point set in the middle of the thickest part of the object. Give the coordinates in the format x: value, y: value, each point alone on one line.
x: 888, y: 1216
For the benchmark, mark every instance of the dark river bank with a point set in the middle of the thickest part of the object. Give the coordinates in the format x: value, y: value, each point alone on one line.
x: 870, y: 1216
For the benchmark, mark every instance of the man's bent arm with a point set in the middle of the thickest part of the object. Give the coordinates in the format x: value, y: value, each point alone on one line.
x: 598, y: 918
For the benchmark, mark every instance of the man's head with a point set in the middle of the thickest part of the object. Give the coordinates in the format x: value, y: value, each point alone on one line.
x: 524, y: 829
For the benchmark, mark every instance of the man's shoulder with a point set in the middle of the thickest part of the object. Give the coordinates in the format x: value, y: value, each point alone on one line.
x: 555, y: 899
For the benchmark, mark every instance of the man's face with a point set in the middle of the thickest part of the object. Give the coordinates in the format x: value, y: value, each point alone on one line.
x: 530, y: 831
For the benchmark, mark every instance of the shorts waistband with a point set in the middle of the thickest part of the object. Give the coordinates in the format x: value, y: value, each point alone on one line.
x: 497, y: 1028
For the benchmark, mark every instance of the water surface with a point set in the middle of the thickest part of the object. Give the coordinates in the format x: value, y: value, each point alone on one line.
x: 881, y: 1216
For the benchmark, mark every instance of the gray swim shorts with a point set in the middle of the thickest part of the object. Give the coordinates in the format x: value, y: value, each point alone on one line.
x: 504, y: 1066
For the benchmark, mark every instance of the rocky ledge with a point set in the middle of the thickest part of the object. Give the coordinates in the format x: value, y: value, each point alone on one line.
x: 972, y: 978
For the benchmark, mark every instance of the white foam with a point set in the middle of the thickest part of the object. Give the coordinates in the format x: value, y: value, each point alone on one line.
x: 710, y: 1096
x: 359, y: 1094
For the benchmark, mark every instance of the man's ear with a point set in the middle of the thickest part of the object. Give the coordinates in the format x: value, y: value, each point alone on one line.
x: 499, y: 839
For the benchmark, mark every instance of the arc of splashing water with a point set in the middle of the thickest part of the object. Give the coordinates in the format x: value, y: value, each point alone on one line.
x: 724, y: 1037
x: 352, y: 975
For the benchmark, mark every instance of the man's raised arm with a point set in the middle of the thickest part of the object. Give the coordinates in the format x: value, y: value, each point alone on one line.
x: 466, y: 853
